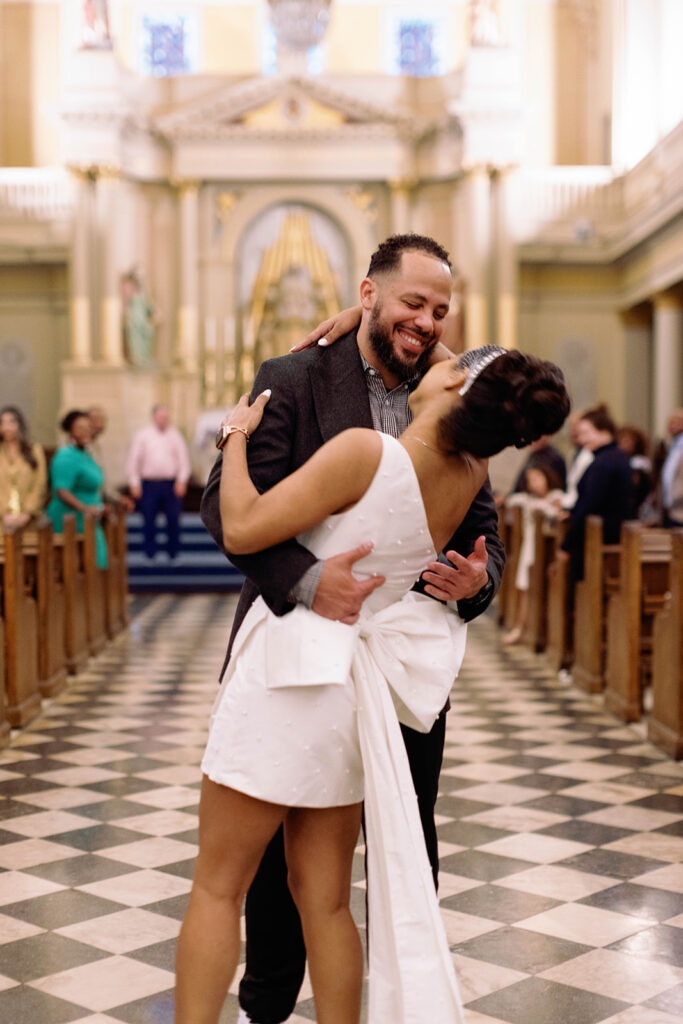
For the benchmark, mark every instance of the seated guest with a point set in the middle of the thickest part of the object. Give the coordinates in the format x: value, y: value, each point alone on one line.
x: 542, y: 491
x: 23, y: 478
x: 633, y: 442
x: 672, y: 473
x: 542, y: 455
x: 604, y: 489
x: 581, y: 460
x: 76, y: 481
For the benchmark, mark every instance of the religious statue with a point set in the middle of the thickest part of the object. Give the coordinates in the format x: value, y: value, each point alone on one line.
x: 294, y: 289
x: 485, y: 23
x: 138, y: 321
x: 95, y: 34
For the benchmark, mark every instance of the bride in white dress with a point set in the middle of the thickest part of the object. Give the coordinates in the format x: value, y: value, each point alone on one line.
x: 305, y: 726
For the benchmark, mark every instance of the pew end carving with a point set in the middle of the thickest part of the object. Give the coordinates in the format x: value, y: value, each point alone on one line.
x: 665, y: 724
x: 20, y: 619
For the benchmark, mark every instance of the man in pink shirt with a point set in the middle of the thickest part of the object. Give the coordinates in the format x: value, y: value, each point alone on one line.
x: 158, y: 471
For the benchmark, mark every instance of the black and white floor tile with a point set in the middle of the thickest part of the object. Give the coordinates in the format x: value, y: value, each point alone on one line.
x: 561, y: 839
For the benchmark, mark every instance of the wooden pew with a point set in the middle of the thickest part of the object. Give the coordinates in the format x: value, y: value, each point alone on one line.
x: 70, y: 575
x: 643, y: 584
x: 601, y: 575
x: 536, y: 630
x: 116, y: 588
x: 48, y: 593
x: 20, y: 617
x: 95, y: 588
x: 558, y: 650
x: 4, y: 724
x: 665, y: 724
x: 513, y: 543
x: 503, y: 590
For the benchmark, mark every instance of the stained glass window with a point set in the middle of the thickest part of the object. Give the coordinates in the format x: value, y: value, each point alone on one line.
x: 417, y: 51
x: 166, y: 45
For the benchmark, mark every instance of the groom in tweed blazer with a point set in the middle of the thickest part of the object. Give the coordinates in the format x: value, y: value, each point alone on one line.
x: 315, y: 395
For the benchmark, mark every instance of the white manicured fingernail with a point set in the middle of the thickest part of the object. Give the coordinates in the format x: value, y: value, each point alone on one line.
x: 323, y: 342
x: 267, y: 392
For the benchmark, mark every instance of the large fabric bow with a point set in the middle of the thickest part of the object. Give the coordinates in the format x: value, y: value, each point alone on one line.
x: 416, y: 643
x: 418, y: 646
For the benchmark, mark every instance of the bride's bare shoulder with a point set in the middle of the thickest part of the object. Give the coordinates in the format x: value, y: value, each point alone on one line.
x: 359, y: 441
x: 356, y: 450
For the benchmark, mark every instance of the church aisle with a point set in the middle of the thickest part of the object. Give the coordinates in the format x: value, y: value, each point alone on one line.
x: 561, y: 833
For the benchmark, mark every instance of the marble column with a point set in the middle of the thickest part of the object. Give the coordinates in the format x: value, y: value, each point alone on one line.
x: 668, y: 357
x: 109, y: 214
x: 505, y: 255
x: 401, y: 206
x: 637, y: 340
x: 187, y: 352
x: 472, y: 231
x: 80, y: 278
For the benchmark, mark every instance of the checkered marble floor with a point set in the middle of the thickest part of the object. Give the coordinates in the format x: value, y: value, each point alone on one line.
x: 561, y: 840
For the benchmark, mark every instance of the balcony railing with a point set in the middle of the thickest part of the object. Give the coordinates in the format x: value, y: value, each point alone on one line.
x: 593, y: 206
x: 35, y: 194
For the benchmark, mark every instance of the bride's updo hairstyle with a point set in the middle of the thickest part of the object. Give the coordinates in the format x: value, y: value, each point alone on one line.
x: 512, y: 400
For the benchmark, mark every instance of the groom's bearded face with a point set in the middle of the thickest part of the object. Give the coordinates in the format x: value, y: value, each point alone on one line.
x: 390, y: 350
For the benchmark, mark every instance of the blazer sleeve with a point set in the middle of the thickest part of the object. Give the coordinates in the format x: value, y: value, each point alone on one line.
x: 277, y: 569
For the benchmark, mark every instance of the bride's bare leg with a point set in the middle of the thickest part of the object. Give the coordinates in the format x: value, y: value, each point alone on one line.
x: 319, y: 845
x: 234, y: 830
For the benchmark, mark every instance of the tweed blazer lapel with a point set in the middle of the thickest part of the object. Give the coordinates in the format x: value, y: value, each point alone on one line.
x: 340, y: 394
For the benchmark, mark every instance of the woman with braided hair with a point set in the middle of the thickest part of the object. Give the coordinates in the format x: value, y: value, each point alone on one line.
x: 306, y: 724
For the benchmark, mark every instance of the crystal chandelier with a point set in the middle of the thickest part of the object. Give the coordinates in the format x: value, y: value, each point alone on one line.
x: 299, y: 24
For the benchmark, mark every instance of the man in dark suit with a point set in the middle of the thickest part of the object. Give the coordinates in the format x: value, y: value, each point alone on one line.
x: 364, y: 379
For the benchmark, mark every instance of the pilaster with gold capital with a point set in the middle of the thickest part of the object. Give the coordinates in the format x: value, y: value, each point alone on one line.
x: 81, y: 282
x: 401, y: 204
x: 187, y: 349
x: 505, y: 284
x: 472, y: 252
x: 668, y: 356
x: 110, y: 225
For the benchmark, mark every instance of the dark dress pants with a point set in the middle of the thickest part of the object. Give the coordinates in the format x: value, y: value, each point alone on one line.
x: 159, y: 496
x: 276, y: 955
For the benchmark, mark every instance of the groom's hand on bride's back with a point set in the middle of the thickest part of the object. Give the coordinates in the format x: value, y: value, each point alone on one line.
x: 339, y: 595
x: 460, y: 580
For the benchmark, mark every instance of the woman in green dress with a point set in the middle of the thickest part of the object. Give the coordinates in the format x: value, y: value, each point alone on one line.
x: 76, y: 481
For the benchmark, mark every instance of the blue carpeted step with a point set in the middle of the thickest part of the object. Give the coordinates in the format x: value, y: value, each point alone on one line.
x: 200, y: 567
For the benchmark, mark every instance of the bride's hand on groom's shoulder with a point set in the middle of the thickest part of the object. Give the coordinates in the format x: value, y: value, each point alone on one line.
x: 245, y: 416
x: 330, y: 330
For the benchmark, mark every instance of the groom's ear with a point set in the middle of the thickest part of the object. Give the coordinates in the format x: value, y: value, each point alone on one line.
x: 368, y: 293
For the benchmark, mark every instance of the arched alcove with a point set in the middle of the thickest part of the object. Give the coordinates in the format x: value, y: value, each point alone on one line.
x: 282, y: 258
x: 294, y: 268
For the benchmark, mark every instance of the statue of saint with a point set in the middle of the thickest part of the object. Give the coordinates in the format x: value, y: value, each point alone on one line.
x: 485, y: 23
x: 138, y: 321
x: 95, y: 34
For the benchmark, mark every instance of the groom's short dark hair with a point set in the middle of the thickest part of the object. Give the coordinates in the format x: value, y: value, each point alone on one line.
x: 387, y: 257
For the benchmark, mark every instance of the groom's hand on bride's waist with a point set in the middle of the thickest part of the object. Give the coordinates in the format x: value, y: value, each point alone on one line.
x: 461, y: 579
x: 339, y: 595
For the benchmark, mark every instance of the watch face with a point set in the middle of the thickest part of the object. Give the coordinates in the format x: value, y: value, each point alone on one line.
x: 219, y: 437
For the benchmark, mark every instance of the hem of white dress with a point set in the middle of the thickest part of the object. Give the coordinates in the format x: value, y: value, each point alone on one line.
x: 239, y: 787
